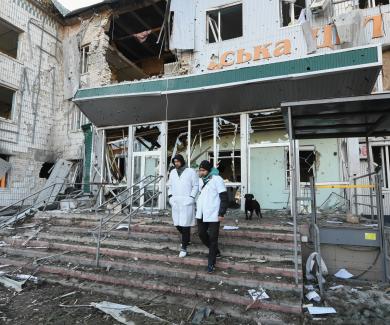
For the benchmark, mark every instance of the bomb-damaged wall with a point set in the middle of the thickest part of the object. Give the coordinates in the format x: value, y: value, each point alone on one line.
x: 35, y: 76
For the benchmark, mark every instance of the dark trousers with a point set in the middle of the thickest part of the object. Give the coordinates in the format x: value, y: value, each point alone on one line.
x: 208, y: 234
x: 185, y: 235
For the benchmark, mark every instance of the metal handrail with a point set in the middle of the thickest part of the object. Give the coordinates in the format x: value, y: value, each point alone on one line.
x: 22, y: 209
x: 129, y: 189
x: 25, y: 198
x: 121, y: 193
x: 363, y: 176
x: 128, y: 202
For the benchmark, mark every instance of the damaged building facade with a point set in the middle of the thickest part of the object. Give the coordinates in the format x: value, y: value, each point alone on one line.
x: 289, y: 99
x: 34, y: 130
x: 47, y: 54
x: 203, y: 104
x: 98, y: 49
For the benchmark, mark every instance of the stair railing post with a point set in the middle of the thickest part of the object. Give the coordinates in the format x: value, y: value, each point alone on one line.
x: 294, y: 190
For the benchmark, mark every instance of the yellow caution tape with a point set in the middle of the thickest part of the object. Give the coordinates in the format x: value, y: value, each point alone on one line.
x: 345, y: 186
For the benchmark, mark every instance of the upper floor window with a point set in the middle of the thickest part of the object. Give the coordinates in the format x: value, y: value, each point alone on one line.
x: 9, y: 39
x: 372, y: 3
x: 224, y: 23
x: 84, y: 51
x: 291, y: 10
x: 6, y: 102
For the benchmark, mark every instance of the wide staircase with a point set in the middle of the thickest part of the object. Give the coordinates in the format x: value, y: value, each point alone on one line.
x: 143, y: 264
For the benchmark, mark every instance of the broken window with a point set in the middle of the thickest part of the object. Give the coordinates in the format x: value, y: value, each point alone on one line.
x: 46, y: 169
x: 264, y: 122
x: 307, y: 160
x: 229, y: 164
x: 224, y: 23
x: 9, y: 39
x: 116, y: 155
x: 307, y: 164
x: 4, y: 179
x: 177, y: 141
x: 84, y: 51
x: 381, y: 161
x: 147, y: 138
x: 372, y: 3
x: 6, y: 102
x: 290, y: 11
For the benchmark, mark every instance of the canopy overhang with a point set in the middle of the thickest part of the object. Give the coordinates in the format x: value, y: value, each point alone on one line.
x: 360, y: 116
x: 336, y: 74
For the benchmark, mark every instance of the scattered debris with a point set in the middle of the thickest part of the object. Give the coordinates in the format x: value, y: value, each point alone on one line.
x: 312, y: 295
x: 259, y: 294
x: 352, y: 219
x: 9, y: 283
x: 3, y: 244
x: 321, y: 310
x: 340, y: 286
x: 310, y: 263
x: 309, y: 287
x: 66, y: 295
x: 27, y: 277
x: 118, y: 311
x: 122, y: 226
x: 231, y: 228
x: 200, y: 315
x: 32, y: 236
x: 343, y: 274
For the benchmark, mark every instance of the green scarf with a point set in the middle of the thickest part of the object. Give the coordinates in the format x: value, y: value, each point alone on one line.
x: 213, y: 171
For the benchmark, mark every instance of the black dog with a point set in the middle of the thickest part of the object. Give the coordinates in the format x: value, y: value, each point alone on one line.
x: 251, y: 205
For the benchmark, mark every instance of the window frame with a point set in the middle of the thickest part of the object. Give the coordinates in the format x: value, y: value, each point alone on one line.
x: 84, y: 58
x: 295, y: 21
x: 12, y: 115
x: 384, y: 153
x: 19, y: 32
x: 208, y: 11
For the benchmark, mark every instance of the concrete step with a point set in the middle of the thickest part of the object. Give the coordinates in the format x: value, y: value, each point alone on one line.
x: 167, y: 258
x: 235, y: 251
x: 275, y: 236
x: 175, y: 237
x: 263, y: 224
x: 192, y: 272
x: 237, y: 314
x: 284, y: 302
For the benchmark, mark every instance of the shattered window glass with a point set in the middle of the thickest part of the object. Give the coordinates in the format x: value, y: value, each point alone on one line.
x: 147, y: 138
x: 224, y: 23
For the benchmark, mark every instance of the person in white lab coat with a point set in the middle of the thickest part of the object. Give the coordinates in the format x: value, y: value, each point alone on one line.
x: 183, y: 186
x: 211, y: 207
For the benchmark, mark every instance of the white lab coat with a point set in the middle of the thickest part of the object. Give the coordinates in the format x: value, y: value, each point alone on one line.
x: 183, y: 190
x: 208, y: 203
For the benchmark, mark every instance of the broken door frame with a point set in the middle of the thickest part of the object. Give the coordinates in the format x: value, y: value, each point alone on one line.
x: 161, y: 153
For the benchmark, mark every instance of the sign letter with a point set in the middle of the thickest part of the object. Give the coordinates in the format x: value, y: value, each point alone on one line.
x: 282, y: 48
x: 261, y: 52
x: 377, y: 25
x: 243, y: 56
